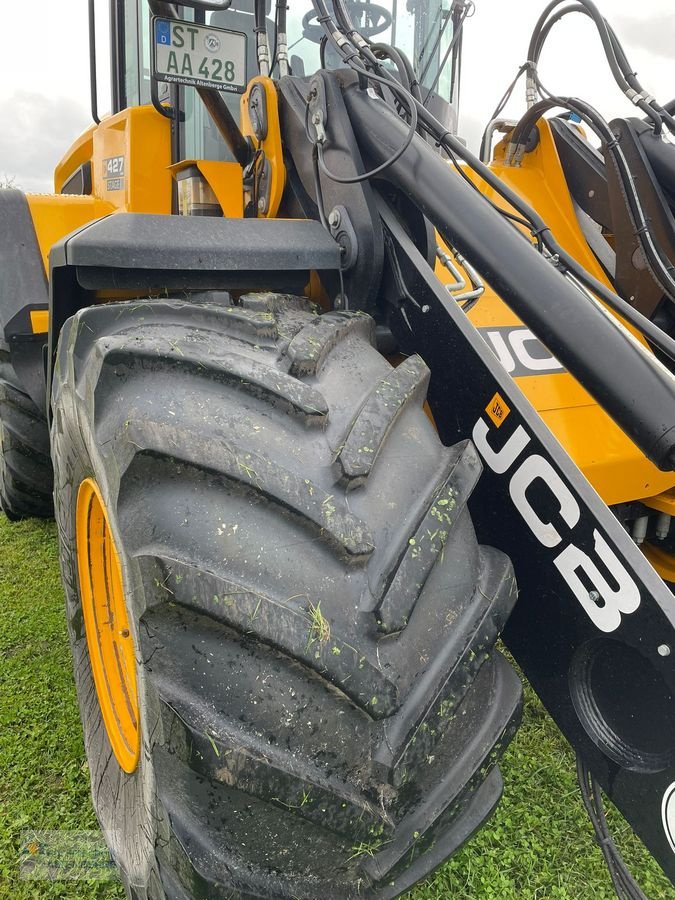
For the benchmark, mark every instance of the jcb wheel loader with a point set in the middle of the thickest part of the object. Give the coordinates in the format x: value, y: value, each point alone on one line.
x: 319, y: 387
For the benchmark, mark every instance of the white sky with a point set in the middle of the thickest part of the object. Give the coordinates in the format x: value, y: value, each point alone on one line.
x: 44, y: 70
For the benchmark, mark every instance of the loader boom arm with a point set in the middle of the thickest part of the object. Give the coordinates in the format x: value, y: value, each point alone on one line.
x: 594, y: 625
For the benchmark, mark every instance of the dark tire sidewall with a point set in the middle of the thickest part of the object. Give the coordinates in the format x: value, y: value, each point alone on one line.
x: 14, y: 506
x: 126, y: 805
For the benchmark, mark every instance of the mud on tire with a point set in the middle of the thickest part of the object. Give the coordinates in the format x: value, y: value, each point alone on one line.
x: 322, y: 706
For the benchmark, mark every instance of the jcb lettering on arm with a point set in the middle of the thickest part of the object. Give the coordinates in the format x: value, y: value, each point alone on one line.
x: 603, y: 602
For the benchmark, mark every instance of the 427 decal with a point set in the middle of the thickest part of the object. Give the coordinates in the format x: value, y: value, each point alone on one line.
x: 113, y: 173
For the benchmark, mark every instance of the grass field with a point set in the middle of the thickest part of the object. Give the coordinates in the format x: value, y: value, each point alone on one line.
x: 539, y: 845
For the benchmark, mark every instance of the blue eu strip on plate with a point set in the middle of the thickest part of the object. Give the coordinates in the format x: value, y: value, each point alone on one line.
x: 162, y: 32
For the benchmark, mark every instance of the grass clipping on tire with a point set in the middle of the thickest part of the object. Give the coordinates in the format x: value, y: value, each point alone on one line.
x: 322, y: 707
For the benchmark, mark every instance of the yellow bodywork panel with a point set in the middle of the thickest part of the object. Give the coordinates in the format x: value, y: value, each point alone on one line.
x: 80, y: 152
x: 56, y: 215
x: 608, y: 458
x: 226, y: 180
x: 143, y: 138
x: 662, y: 561
x: 140, y: 138
x: 130, y: 156
x: 271, y: 143
x: 39, y: 321
x: 664, y: 503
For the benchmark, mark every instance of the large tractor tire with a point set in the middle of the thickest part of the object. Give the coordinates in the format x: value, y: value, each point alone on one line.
x: 282, y: 625
x: 25, y: 466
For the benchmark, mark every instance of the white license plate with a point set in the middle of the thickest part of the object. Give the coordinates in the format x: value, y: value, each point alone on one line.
x: 185, y: 53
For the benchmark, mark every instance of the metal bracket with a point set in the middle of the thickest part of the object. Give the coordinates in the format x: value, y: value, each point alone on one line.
x: 317, y: 112
x: 343, y: 231
x: 263, y: 185
x: 257, y: 111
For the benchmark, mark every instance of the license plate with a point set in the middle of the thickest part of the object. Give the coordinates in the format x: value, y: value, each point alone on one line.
x: 185, y: 53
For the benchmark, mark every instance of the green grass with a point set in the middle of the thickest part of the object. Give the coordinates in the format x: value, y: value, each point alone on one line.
x: 539, y: 845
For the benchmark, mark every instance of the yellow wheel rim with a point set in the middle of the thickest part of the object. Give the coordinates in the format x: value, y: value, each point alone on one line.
x: 106, y: 624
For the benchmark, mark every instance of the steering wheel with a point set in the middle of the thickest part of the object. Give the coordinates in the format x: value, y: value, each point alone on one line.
x: 369, y: 19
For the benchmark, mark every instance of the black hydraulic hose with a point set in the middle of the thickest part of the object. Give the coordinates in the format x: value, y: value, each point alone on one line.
x: 414, y: 83
x: 281, y: 15
x: 588, y: 8
x: 384, y: 51
x: 349, y: 31
x: 661, y: 265
x: 360, y: 42
x: 346, y: 23
x: 506, y: 96
x: 529, y: 119
x: 260, y: 31
x: 380, y: 169
x: 581, y: 334
x: 374, y: 51
x: 631, y: 78
x: 259, y: 14
x: 344, y: 46
x: 279, y: 28
x: 624, y: 884
x: 652, y: 332
x: 403, y: 67
x: 366, y: 48
x: 616, y: 58
x: 538, y: 37
x: 539, y: 227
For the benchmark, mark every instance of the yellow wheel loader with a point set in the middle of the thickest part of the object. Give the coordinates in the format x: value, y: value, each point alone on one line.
x: 327, y: 404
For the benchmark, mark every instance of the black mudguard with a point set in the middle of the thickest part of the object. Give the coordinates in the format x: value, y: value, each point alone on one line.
x: 23, y: 287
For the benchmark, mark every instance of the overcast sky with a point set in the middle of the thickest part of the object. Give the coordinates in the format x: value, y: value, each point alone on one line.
x: 44, y: 73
